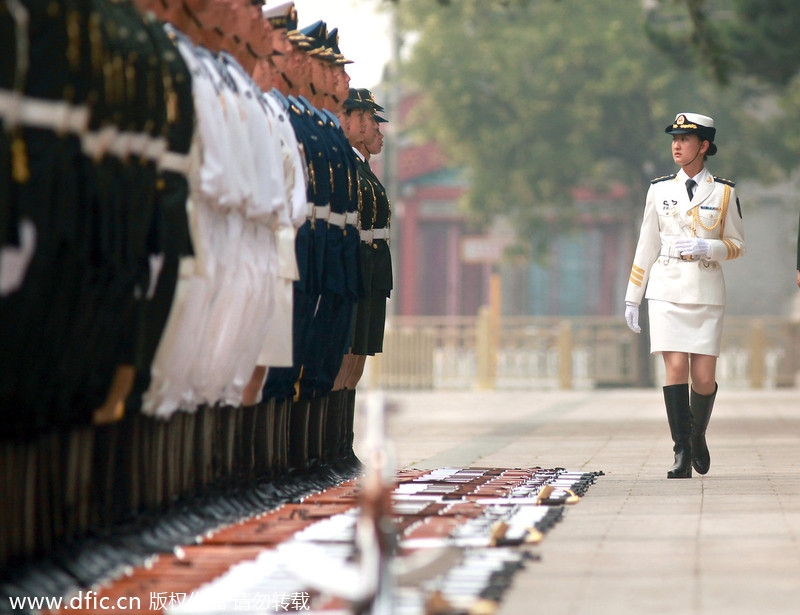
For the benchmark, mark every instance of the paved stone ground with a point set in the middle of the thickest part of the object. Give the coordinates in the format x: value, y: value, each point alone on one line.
x: 727, y: 543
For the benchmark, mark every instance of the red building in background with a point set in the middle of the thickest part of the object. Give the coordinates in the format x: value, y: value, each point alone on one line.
x: 431, y: 278
x: 442, y: 266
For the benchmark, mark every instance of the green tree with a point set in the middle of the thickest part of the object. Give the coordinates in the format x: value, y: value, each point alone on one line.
x: 752, y: 43
x: 534, y: 98
x: 754, y: 38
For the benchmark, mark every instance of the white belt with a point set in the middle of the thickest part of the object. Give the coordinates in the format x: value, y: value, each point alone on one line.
x: 154, y: 148
x: 11, y: 105
x: 56, y: 115
x: 670, y: 252
x: 96, y: 144
x: 337, y: 219
x: 375, y: 233
x: 143, y: 145
x: 177, y: 163
x: 78, y: 121
x: 120, y: 146
x: 322, y: 211
x: 137, y: 143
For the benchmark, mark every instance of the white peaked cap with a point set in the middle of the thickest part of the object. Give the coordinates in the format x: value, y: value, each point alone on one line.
x: 276, y: 8
x: 696, y: 118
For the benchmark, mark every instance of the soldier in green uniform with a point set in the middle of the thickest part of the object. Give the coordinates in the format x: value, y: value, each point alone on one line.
x: 375, y: 219
x: 375, y: 257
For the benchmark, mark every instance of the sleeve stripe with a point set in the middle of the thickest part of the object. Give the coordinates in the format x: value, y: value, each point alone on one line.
x: 637, y: 276
x: 733, y: 250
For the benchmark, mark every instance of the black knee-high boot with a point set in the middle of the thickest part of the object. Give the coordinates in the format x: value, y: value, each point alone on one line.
x: 701, y: 406
x: 188, y: 454
x: 104, y: 466
x: 316, y: 430
x: 349, y: 431
x: 280, y: 461
x: 8, y: 507
x: 298, y: 434
x: 246, y: 445
x: 676, y: 398
x: 263, y: 438
x: 333, y: 427
x: 47, y: 483
x: 205, y: 440
x: 27, y: 486
x: 172, y: 459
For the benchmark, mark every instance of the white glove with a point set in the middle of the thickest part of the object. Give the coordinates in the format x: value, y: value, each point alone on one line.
x: 632, y: 317
x: 696, y: 246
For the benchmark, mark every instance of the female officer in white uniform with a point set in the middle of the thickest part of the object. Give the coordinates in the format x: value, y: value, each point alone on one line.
x: 692, y: 221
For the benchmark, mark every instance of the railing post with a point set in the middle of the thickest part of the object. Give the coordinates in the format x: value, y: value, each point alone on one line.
x: 484, y: 349
x: 757, y: 355
x: 495, y: 310
x: 565, y: 344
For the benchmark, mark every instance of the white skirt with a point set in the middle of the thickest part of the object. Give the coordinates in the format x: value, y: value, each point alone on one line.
x: 676, y: 327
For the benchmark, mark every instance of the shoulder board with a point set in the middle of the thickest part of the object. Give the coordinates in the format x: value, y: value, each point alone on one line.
x: 663, y: 179
x: 724, y: 181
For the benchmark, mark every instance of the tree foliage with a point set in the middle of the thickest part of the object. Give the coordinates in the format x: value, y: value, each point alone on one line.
x: 750, y: 43
x: 755, y: 38
x: 535, y: 98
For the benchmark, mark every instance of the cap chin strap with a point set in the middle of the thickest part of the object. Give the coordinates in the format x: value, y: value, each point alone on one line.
x: 697, y: 154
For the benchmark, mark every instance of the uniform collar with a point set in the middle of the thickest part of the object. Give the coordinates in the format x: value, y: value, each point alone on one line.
x: 699, y: 178
x: 278, y: 95
x: 705, y: 184
x: 332, y: 117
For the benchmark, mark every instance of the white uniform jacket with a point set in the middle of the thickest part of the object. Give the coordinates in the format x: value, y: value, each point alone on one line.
x: 713, y: 214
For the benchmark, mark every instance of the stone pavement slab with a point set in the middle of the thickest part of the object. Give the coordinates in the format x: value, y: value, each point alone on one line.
x: 727, y: 543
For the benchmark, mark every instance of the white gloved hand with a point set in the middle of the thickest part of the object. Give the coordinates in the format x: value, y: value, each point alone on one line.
x: 632, y: 317
x: 696, y: 246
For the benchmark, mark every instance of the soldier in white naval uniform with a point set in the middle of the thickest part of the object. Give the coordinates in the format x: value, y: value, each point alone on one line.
x: 692, y: 221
